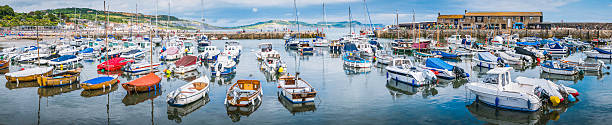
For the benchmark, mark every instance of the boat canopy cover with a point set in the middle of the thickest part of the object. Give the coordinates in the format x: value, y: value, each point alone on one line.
x: 172, y: 50
x: 134, y: 51
x: 602, y: 51
x: 53, y: 56
x: 186, y: 61
x: 523, y: 51
x: 444, y: 54
x: 527, y: 43
x: 64, y: 58
x: 438, y: 64
x: 555, y: 45
x: 29, y: 72
x: 486, y: 56
x: 99, y: 80
x: 350, y: 47
x: 87, y: 50
x: 147, y: 80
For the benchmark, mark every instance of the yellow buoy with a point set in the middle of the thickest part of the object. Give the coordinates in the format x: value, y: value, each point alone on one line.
x: 61, y: 66
x: 280, y: 69
x: 555, y: 100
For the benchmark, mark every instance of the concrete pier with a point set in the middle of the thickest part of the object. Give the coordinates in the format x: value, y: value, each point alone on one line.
x: 559, y: 33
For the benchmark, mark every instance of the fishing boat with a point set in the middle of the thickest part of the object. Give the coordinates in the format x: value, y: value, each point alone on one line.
x: 352, y: 58
x: 172, y: 53
x: 63, y: 60
x: 185, y: 64
x: 244, y: 93
x: 114, y: 64
x: 296, y: 89
x: 102, y: 82
x: 209, y: 54
x: 273, y: 64
x: 29, y: 74
x: 599, y: 53
x: 265, y: 49
x: 225, y: 65
x: 403, y: 70
x: 556, y: 67
x: 382, y: 57
x: 444, y: 70
x: 555, y: 48
x: 202, y: 44
x: 487, y: 60
x: 498, y: 90
x: 141, y: 67
x: 149, y: 82
x: 132, y: 54
x: 320, y: 42
x: 59, y: 79
x: 305, y: 48
x: 189, y: 92
x: 233, y: 48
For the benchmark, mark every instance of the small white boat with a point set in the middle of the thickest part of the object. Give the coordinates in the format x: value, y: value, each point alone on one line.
x: 244, y: 93
x: 141, y: 67
x: 550, y: 89
x: 403, y: 70
x: 189, y: 92
x: 209, y: 54
x: 599, y: 53
x: 320, y: 42
x: 487, y: 60
x: 225, y: 65
x: 265, y: 49
x: 556, y: 67
x: 296, y: 90
x: 233, y: 49
x: 513, y: 58
x: 68, y: 50
x: 132, y: 54
x: 273, y: 64
x: 498, y: 90
x: 383, y: 57
x: 31, y: 57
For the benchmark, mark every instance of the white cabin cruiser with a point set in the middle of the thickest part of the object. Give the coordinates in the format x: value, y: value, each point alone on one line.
x: 403, y: 70
x: 265, y: 49
x: 498, y: 90
x: 209, y: 54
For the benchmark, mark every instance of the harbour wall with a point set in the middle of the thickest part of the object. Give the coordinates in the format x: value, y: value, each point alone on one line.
x: 543, y: 33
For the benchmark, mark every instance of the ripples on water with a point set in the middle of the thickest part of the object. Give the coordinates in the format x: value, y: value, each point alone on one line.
x: 346, y: 96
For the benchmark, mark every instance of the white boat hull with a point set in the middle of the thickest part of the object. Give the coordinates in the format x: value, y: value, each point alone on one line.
x: 184, y: 69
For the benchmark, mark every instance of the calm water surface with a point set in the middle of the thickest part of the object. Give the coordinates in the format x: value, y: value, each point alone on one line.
x: 346, y: 96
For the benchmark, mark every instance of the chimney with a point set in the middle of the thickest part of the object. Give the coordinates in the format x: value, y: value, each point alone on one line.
x: 438, y: 13
x: 465, y: 11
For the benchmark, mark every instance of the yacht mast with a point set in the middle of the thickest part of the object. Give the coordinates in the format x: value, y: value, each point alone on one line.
x: 297, y: 21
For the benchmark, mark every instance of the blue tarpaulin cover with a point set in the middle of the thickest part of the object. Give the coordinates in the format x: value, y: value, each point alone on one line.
x: 63, y: 58
x: 99, y: 80
x: 602, y: 51
x: 350, y: 47
x: 87, y: 50
x: 444, y: 54
x: 438, y: 64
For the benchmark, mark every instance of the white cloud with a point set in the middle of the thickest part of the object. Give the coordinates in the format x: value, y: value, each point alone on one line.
x: 515, y: 5
x: 255, y: 10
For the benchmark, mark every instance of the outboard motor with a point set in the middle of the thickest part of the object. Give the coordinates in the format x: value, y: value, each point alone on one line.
x: 459, y: 72
x: 540, y: 92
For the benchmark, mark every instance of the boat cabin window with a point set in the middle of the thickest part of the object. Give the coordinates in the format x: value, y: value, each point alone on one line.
x: 491, y: 79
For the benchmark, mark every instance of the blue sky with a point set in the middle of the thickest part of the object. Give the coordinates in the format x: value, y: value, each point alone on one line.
x: 241, y: 12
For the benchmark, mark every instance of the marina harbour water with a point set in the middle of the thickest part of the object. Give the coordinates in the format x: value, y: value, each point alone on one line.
x: 345, y: 96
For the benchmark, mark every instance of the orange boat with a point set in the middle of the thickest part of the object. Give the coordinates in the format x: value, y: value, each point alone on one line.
x: 244, y: 93
x: 99, y: 83
x: 146, y: 83
x: 4, y: 64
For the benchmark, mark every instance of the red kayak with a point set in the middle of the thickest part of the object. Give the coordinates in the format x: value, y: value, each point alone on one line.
x: 114, y: 64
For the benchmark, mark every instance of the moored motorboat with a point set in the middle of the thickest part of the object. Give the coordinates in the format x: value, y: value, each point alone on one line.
x: 264, y: 50
x: 444, y: 70
x: 273, y: 64
x: 59, y: 79
x: 599, y: 53
x: 142, y: 67
x: 498, y: 90
x: 244, y: 93
x: 102, y: 82
x: 29, y: 74
x: 63, y: 60
x: 556, y: 67
x: 487, y: 60
x: 189, y: 92
x: 209, y: 54
x: 296, y: 89
x: 403, y: 70
x: 149, y: 82
x: 185, y: 64
x: 383, y: 57
x: 172, y: 53
x: 224, y: 66
x: 114, y: 64
x: 134, y: 53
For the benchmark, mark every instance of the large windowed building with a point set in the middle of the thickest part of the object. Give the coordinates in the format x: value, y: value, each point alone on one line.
x: 501, y: 20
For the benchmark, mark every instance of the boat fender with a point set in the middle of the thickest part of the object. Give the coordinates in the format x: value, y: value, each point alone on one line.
x: 413, y: 82
x: 528, y: 104
x: 496, y: 101
x: 571, y: 98
x: 555, y: 100
x: 467, y: 75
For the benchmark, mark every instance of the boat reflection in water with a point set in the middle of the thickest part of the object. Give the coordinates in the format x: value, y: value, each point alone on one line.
x: 98, y: 92
x: 494, y: 115
x: 271, y: 77
x: 135, y: 98
x: 15, y: 85
x: 557, y: 77
x: 235, y: 112
x: 294, y: 108
x: 356, y: 71
x: 4, y: 71
x: 52, y: 91
x: 177, y: 113
x: 224, y: 79
x: 397, y: 89
x: 187, y: 76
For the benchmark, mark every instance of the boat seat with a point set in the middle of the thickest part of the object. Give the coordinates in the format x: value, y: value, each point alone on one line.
x: 199, y: 85
x: 187, y: 92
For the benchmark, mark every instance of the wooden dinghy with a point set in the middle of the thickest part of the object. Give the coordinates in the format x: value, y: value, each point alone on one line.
x: 4, y: 64
x: 28, y: 74
x: 296, y: 89
x: 244, y: 93
x: 59, y: 79
x: 189, y: 92
x: 146, y: 83
x: 99, y: 83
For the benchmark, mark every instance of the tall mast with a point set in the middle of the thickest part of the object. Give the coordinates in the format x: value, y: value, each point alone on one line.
x: 202, y: 24
x: 324, y: 14
x: 105, y: 35
x: 350, y: 20
x: 397, y: 23
x: 156, y: 14
x: 297, y: 21
x: 367, y: 14
x: 413, y: 27
x: 137, y: 25
x: 168, y: 24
